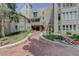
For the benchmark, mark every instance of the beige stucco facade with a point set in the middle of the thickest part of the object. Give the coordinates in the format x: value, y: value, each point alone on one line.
x: 20, y: 25
x: 44, y: 15
x: 63, y: 17
x: 26, y: 10
x: 66, y: 18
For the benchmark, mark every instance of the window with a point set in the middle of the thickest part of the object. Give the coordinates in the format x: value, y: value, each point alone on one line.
x: 67, y: 4
x: 74, y: 27
x: 59, y: 28
x: 70, y: 27
x: 75, y: 14
x: 17, y: 21
x: 63, y: 15
x: 74, y: 4
x: 59, y: 17
x: 66, y: 15
x: 35, y: 14
x: 71, y: 4
x: 66, y: 27
x: 59, y: 5
x: 63, y: 5
x: 70, y: 15
x: 63, y: 27
x: 16, y: 27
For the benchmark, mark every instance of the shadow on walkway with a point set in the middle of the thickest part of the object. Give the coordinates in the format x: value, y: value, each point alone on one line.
x: 37, y: 48
x: 41, y: 48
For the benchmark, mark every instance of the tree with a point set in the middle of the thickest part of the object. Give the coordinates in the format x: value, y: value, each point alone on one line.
x: 14, y: 16
x: 12, y: 6
x: 8, y: 11
x: 3, y: 15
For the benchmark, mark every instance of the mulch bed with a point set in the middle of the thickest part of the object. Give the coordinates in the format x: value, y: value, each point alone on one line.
x: 69, y: 41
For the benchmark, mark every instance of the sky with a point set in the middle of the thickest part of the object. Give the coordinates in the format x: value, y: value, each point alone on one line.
x: 39, y: 5
x: 35, y: 6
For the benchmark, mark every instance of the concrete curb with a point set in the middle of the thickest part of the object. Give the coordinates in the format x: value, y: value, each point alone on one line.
x: 57, y: 43
x: 17, y: 43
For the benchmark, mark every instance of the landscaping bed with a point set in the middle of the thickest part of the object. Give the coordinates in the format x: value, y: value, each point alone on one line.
x: 70, y: 40
x: 53, y: 37
x: 14, y: 37
x: 75, y: 38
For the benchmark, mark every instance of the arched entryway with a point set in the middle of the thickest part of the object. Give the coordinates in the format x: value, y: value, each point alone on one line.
x: 38, y: 27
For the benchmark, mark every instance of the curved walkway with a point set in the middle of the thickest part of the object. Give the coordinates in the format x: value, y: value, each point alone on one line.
x: 36, y: 46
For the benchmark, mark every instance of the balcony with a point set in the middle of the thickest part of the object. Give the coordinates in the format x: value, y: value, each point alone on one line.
x: 35, y: 20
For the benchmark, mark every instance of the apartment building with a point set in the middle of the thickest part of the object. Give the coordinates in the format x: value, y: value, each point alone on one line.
x: 66, y: 18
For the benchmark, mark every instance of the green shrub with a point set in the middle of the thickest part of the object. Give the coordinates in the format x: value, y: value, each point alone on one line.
x: 74, y: 34
x: 52, y: 37
x: 75, y: 37
x: 59, y: 37
x: 68, y: 33
x: 45, y: 33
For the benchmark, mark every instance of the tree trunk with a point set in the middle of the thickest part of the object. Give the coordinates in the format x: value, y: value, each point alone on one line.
x: 2, y: 30
x: 8, y: 26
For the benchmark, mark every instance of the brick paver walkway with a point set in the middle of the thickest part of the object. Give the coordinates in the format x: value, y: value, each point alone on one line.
x: 38, y: 47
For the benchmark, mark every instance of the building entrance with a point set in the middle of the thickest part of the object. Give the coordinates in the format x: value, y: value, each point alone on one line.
x: 38, y: 27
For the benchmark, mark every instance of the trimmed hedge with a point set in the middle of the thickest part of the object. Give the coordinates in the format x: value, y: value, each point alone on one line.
x: 59, y: 37
x: 52, y: 37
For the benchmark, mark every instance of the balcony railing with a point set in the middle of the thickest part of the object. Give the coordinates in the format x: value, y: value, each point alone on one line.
x: 35, y: 20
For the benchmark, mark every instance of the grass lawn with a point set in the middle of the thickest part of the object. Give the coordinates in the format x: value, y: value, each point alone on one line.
x: 15, y: 37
